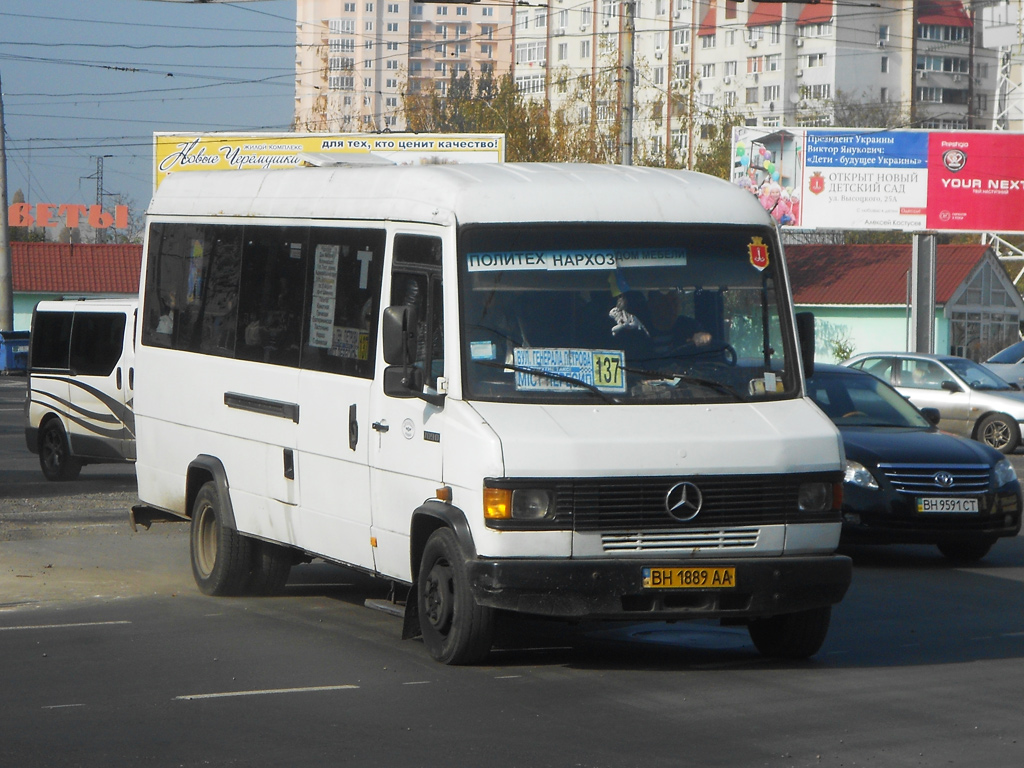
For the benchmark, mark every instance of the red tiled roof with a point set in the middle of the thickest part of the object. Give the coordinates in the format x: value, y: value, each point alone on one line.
x: 872, y: 274
x: 763, y: 14
x: 947, y: 13
x: 76, y: 268
x: 707, y: 24
x: 818, y: 13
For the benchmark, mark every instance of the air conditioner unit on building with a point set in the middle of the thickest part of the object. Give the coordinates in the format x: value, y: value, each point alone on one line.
x: 726, y: 79
x: 560, y: 31
x: 799, y: 43
x: 677, y: 82
x: 881, y: 43
x: 684, y: 48
x: 677, y: 15
x: 921, y: 74
x: 583, y: 27
x: 658, y: 54
x: 605, y: 22
x: 956, y: 78
x: 799, y: 73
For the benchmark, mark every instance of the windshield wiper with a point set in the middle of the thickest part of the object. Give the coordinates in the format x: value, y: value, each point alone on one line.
x: 550, y: 375
x: 717, y: 386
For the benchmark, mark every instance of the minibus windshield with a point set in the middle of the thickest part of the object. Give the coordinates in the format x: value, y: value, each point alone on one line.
x: 624, y: 313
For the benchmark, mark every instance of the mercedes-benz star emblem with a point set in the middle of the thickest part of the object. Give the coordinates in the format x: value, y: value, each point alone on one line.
x: 683, y: 501
x: 943, y: 479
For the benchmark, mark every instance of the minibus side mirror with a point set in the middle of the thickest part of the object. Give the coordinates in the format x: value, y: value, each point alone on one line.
x: 399, y: 335
x: 805, y: 334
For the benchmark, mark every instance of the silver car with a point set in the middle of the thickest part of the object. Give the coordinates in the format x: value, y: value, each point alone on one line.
x: 1008, y: 364
x: 971, y: 400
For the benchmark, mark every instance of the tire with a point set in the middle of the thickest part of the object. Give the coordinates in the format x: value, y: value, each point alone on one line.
x: 791, y: 635
x: 271, y: 565
x: 969, y: 550
x: 55, y: 457
x: 221, y: 557
x: 455, y: 629
x: 999, y: 431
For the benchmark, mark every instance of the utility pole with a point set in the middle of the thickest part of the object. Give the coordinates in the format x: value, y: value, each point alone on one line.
x: 6, y: 271
x: 629, y: 78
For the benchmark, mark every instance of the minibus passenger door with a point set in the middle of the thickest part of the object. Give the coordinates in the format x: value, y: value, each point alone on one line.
x: 405, y: 442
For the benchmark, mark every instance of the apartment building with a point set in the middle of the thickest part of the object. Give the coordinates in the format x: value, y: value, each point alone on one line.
x: 915, y: 63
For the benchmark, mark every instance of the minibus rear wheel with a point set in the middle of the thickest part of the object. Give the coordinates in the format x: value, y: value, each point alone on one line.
x: 221, y: 556
x: 55, y: 457
x: 791, y: 635
x: 456, y: 630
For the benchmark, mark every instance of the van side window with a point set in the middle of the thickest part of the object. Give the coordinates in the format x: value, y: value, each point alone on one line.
x: 96, y: 341
x: 416, y: 283
x: 51, y: 337
x: 343, y: 295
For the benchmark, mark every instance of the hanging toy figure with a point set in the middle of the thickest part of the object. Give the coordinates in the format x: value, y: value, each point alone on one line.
x: 624, y: 319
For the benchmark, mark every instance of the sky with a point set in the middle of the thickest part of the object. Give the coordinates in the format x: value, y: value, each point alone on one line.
x: 83, y: 80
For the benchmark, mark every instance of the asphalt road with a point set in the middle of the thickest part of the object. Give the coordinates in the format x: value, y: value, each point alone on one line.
x: 111, y: 657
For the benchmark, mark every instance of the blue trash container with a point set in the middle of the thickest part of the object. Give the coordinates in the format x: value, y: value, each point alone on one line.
x: 13, y: 352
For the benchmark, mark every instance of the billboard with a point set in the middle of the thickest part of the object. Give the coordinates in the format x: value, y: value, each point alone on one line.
x: 175, y: 152
x: 908, y: 180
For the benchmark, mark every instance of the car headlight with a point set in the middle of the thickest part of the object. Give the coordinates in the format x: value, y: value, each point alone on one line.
x: 859, y: 475
x: 1003, y: 473
x: 816, y: 497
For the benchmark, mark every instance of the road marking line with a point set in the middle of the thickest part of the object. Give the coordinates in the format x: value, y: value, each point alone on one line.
x: 417, y: 682
x: 265, y: 692
x: 66, y: 626
x: 63, y: 706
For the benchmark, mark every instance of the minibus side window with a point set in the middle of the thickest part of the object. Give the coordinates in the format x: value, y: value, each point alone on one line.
x: 270, y: 300
x: 96, y: 341
x: 416, y: 283
x: 51, y: 335
x: 343, y: 296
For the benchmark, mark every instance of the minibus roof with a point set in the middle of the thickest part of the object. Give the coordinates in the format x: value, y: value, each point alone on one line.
x: 126, y: 304
x: 468, y: 193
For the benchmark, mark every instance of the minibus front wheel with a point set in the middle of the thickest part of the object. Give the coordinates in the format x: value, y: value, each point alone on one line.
x: 456, y: 630
x: 221, y: 556
x: 55, y: 457
x: 791, y: 635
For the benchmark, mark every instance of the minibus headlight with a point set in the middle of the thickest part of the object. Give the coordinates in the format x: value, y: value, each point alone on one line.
x: 815, y: 497
x: 518, y: 504
x: 531, y: 504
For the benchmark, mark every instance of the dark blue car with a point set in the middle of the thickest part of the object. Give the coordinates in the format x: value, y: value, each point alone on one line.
x: 907, y: 481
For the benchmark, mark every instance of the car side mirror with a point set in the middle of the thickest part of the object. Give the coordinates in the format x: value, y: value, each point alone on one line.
x: 931, y: 415
x: 399, y: 335
x: 951, y: 386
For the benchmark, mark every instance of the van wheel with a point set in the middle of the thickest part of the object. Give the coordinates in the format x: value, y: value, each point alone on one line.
x: 966, y: 550
x: 999, y: 431
x: 271, y: 565
x: 455, y: 629
x: 55, y: 457
x: 221, y: 557
x: 791, y: 635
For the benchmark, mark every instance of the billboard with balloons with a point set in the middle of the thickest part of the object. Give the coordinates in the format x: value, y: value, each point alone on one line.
x: 847, y: 178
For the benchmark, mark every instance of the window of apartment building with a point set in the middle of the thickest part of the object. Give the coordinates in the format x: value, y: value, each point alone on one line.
x: 815, y: 30
x: 441, y: 48
x: 883, y: 95
x: 441, y: 31
x: 657, y: 145
x: 391, y: 64
x: 755, y: 34
x: 392, y: 45
x: 943, y: 33
x: 563, y: 20
x: 607, y: 11
x: 707, y: 70
x: 680, y: 139
x: 369, y: 7
x: 487, y: 51
x: 334, y: 45
x: 955, y: 64
x: 660, y: 7
x: 339, y: 26
x: 487, y: 11
x: 981, y: 102
x: 770, y: 122
x: 531, y: 51
x: 730, y: 37
x: 487, y: 31
x: 368, y: 26
x: 391, y: 101
x: 392, y: 26
x: 707, y: 41
x: 584, y: 114
x: 682, y: 70
x: 486, y: 66
x: 392, y: 82
x: 883, y: 33
x: 462, y: 30
x: 773, y: 63
x: 530, y: 83
x: 885, y: 64
x: 340, y: 82
x: 771, y: 92
x: 523, y: 19
x: 751, y: 95
x: 461, y: 10
x: 659, y: 76
x: 415, y: 30
x: 442, y: 10
x: 823, y: 91
x: 367, y: 83
x: 417, y: 9
x: 460, y: 48
x: 813, y: 60
x: 390, y: 121
x: 585, y: 19
x: 584, y: 49
x: 441, y: 68
x: 606, y: 111
x: 706, y: 100
x: 981, y: 69
x: 755, y: 64
x: 368, y: 45
x: 563, y: 51
x: 731, y: 68
x: 681, y: 36
x: 540, y: 18
x: 775, y: 34
x: 729, y: 99
x: 350, y: 7
x: 392, y: 7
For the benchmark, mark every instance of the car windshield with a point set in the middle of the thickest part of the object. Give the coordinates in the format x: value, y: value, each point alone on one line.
x: 862, y: 400
x: 624, y: 313
x: 1012, y: 354
x: 976, y: 376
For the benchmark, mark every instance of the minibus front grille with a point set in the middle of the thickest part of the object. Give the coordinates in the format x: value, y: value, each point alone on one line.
x: 652, y: 541
x: 639, y: 504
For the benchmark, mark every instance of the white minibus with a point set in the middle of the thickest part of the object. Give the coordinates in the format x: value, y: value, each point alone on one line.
x: 81, y: 371
x: 565, y: 391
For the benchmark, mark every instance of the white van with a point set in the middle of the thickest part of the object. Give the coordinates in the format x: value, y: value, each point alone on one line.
x: 81, y: 371
x: 561, y: 390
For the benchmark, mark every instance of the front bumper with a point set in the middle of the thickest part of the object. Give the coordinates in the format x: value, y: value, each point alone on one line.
x: 600, y: 588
